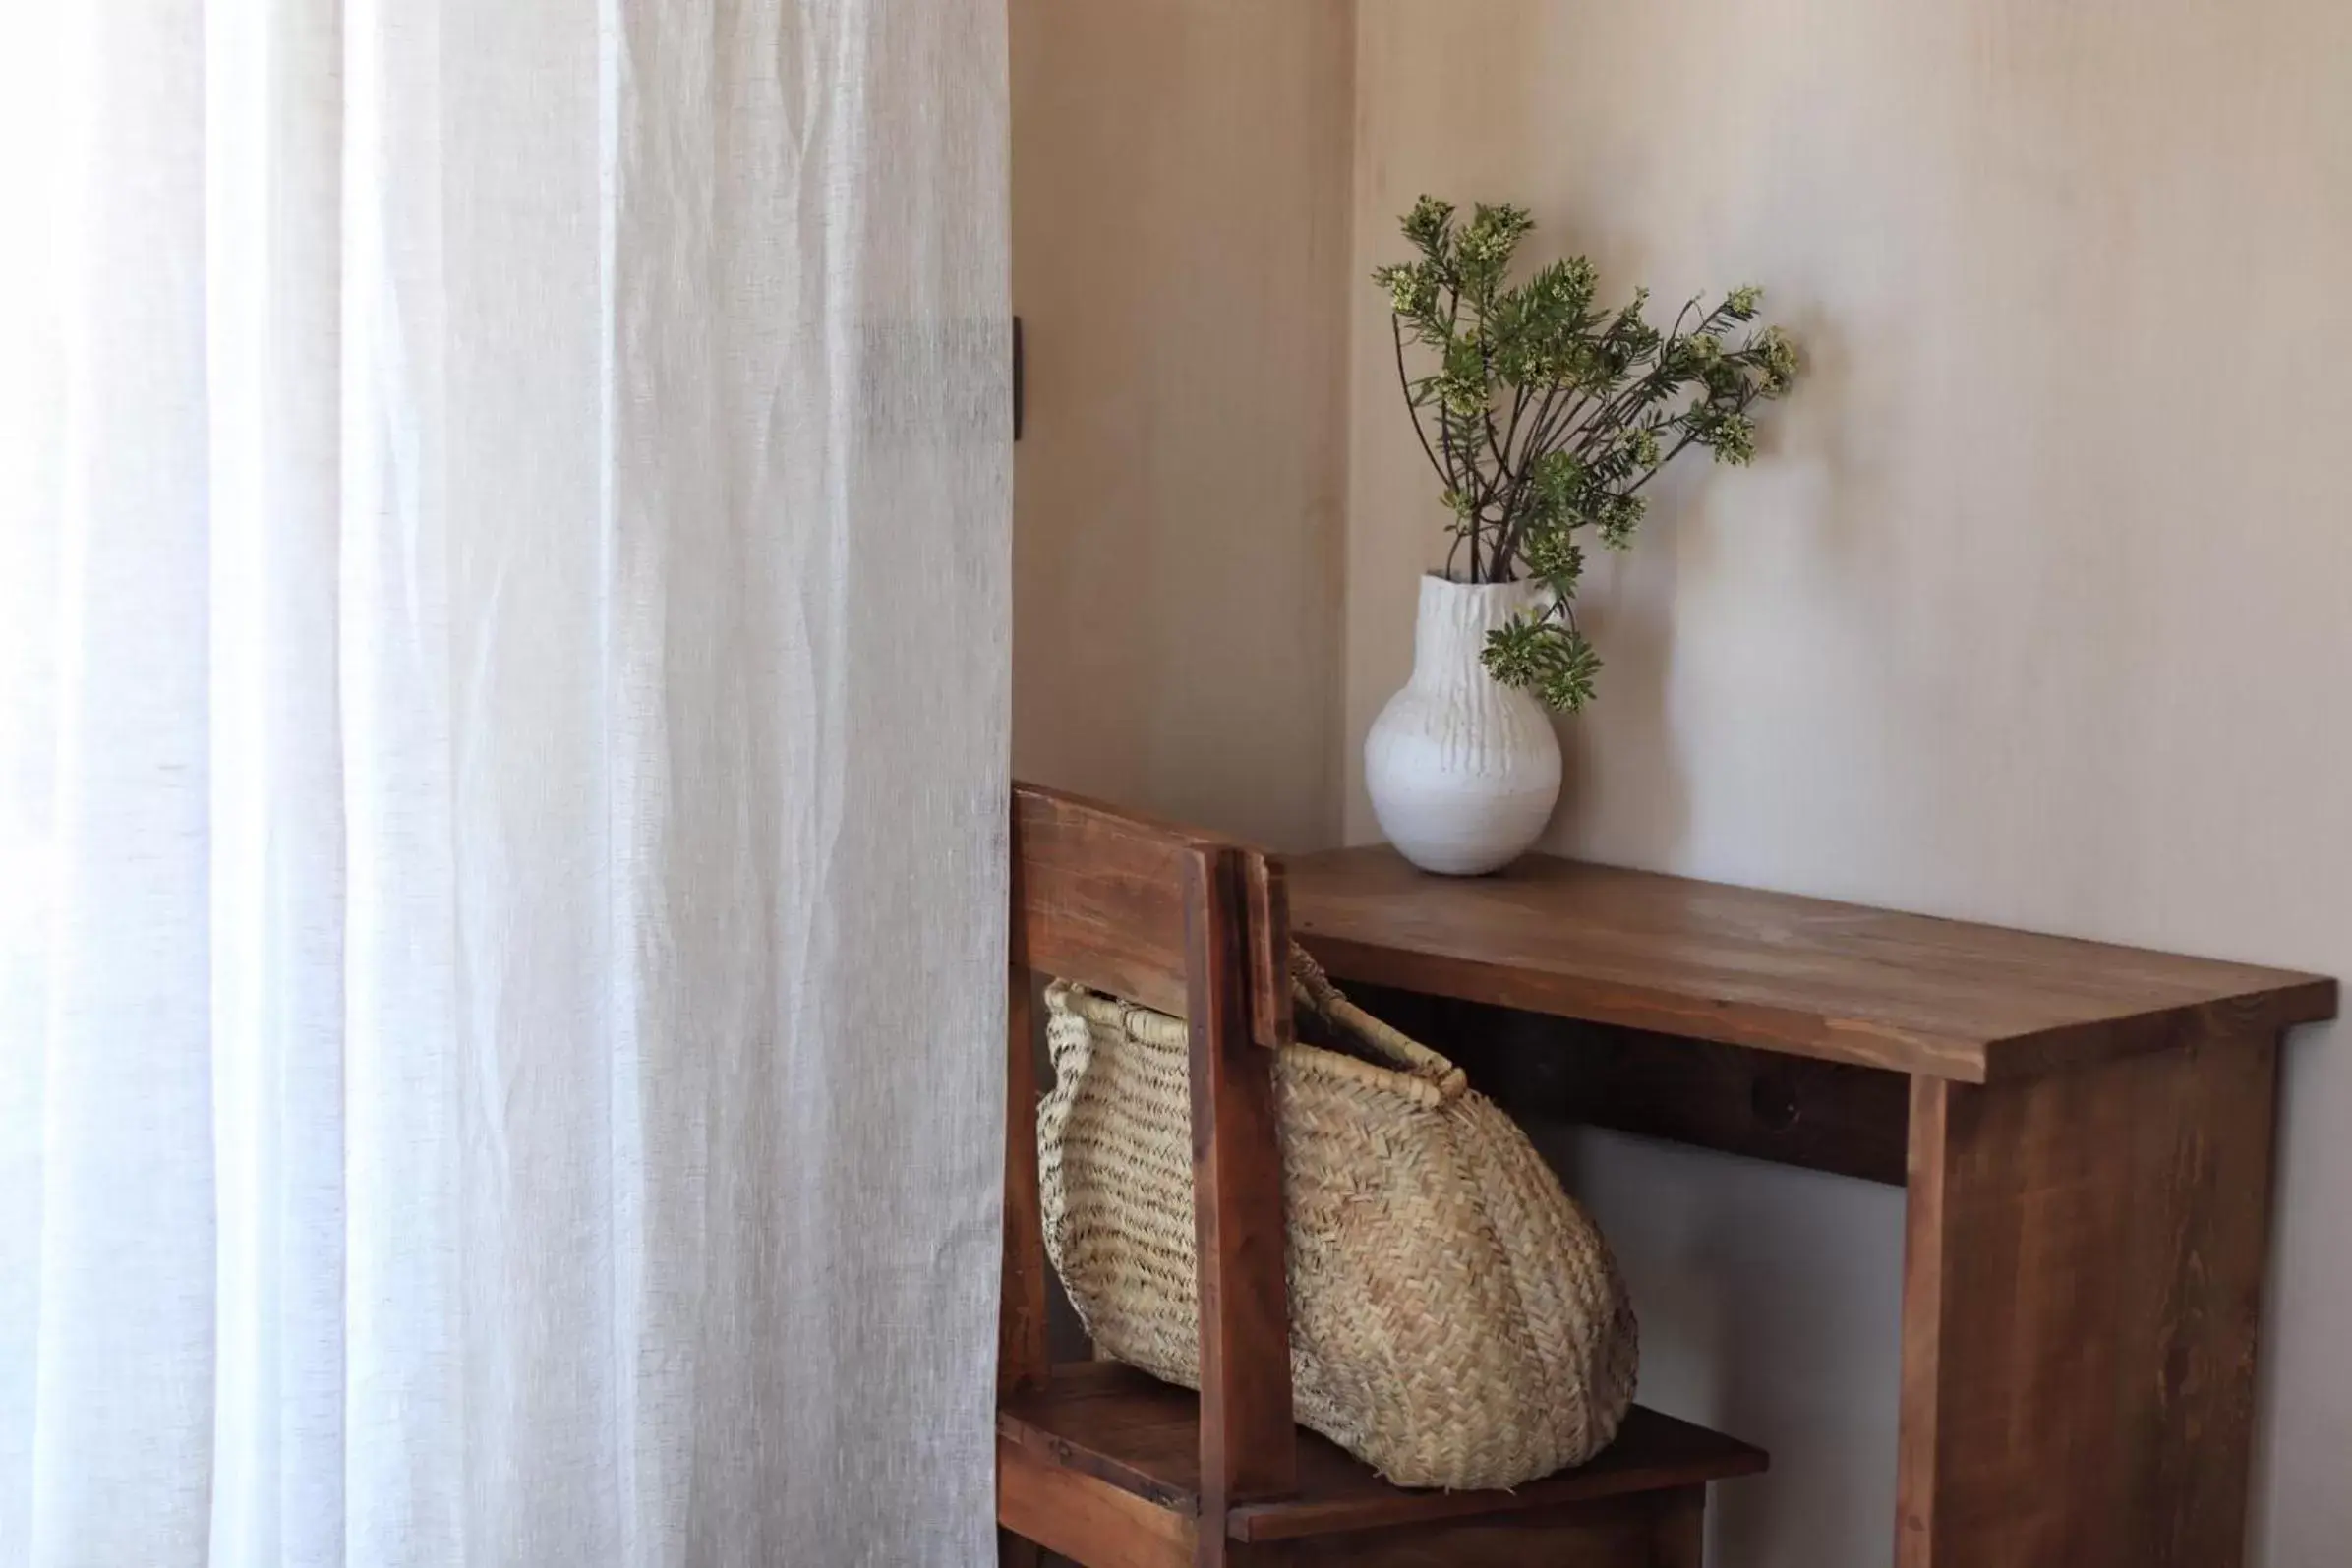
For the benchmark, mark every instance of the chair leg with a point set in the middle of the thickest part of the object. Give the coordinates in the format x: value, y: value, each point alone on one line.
x: 1681, y: 1536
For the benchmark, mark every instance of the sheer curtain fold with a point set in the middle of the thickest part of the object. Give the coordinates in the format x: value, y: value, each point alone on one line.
x: 503, y: 607
x: 272, y: 236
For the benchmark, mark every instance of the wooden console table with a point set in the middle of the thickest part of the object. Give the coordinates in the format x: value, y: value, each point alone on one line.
x: 2085, y: 1133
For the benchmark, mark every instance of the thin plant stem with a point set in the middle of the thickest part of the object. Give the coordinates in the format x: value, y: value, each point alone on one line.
x: 1397, y: 330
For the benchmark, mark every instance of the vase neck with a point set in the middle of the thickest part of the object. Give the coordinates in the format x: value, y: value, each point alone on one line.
x: 1456, y: 618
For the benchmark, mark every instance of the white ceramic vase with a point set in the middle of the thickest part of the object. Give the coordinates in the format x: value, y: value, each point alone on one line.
x: 1462, y: 770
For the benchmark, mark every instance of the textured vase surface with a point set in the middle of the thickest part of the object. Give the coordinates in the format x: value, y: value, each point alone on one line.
x: 1462, y: 770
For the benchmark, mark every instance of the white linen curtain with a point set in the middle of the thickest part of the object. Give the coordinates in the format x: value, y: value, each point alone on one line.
x: 504, y: 615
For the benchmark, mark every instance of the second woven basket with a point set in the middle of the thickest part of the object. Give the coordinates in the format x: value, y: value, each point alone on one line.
x: 1455, y: 1319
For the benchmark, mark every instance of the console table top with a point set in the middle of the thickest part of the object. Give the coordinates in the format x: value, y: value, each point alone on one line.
x: 1842, y: 982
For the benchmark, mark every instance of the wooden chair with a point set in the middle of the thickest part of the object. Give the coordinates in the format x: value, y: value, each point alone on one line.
x: 1111, y: 1468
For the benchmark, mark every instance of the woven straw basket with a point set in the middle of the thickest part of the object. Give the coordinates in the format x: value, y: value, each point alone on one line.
x: 1455, y: 1320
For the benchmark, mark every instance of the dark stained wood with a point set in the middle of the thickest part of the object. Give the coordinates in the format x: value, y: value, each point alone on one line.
x: 1021, y: 1349
x: 1115, y: 1423
x: 1181, y: 921
x: 1102, y: 1465
x: 1246, y: 1429
x: 1683, y: 1530
x: 1927, y: 1251
x: 1137, y: 1433
x: 1907, y: 993
x: 1084, y: 1518
x: 1653, y: 1452
x: 1270, y: 1023
x: 2087, y: 1146
x: 1822, y: 1116
x: 1614, y: 1532
x: 2081, y: 1289
x: 1099, y: 899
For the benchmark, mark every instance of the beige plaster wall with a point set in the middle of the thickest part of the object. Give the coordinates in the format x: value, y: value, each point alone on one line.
x: 1180, y: 188
x: 2037, y: 608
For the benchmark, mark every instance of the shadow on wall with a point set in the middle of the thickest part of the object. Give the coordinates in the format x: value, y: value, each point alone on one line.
x: 1761, y: 1312
x: 1628, y: 796
x: 1636, y: 635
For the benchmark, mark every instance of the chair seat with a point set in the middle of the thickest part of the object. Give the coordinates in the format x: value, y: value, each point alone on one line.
x: 1143, y: 1436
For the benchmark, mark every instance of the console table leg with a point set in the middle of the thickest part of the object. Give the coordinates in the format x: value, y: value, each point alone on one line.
x: 2082, y: 1281
x: 1682, y: 1541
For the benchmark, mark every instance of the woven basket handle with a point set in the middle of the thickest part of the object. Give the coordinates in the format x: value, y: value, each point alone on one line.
x: 1312, y: 990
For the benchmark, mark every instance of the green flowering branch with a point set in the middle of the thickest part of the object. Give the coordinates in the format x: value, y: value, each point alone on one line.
x: 1544, y: 414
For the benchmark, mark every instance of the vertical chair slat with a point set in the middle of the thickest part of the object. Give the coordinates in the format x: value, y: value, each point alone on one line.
x: 1248, y: 1444
x: 1022, y: 1356
x: 1270, y: 953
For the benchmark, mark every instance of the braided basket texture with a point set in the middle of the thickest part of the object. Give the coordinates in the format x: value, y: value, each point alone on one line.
x: 1455, y: 1319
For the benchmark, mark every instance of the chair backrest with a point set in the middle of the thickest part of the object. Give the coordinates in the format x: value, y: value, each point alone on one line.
x: 1195, y: 925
